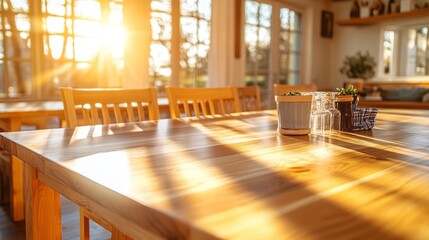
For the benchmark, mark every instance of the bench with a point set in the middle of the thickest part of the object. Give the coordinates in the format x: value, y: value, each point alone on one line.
x: 372, y: 95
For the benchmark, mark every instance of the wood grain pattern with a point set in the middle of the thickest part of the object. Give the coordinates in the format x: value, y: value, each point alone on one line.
x: 235, y: 178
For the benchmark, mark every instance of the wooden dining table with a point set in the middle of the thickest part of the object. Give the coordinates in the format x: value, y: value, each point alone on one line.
x: 231, y: 177
x: 13, y: 117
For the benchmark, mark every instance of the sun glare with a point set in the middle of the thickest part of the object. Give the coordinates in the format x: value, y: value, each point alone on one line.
x: 111, y: 38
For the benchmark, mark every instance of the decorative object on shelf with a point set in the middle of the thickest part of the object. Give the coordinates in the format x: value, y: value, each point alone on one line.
x: 406, y: 5
x: 327, y: 24
x: 293, y: 111
x: 377, y: 8
x: 396, y: 16
x: 392, y: 7
x: 359, y: 66
x: 355, y: 10
x: 364, y: 9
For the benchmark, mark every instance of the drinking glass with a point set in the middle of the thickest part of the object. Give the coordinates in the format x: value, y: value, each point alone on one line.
x: 320, y: 116
x: 335, y: 118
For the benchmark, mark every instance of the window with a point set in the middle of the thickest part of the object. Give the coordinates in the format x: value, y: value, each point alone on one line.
x: 258, y: 39
x: 185, y: 66
x: 388, y: 51
x: 75, y: 43
x: 15, y: 54
x: 273, y: 42
x: 289, y: 47
x: 406, y: 51
x: 80, y: 43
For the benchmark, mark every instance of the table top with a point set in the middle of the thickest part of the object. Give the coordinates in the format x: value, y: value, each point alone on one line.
x: 236, y: 178
x: 26, y: 108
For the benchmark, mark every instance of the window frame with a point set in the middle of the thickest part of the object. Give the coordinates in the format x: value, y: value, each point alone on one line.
x: 397, y: 28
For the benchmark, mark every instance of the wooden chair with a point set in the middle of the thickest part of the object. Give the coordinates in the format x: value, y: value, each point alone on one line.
x: 250, y: 98
x: 104, y: 106
x: 202, y: 102
x: 285, y: 88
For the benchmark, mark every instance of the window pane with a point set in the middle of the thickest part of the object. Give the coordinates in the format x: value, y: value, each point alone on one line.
x: 294, y: 62
x: 55, y: 24
x: 195, y: 38
x: 421, y: 49
x: 161, y: 26
x: 20, y: 5
x: 160, y: 64
x: 89, y: 9
x: 258, y: 40
x: 289, y: 47
x: 86, y: 27
x: 388, y: 51
x: 22, y: 22
x: 293, y: 78
x: 161, y: 6
x: 86, y: 48
x: 16, y: 46
x: 19, y: 74
x: 160, y: 55
x: 295, y: 41
x: 55, y: 7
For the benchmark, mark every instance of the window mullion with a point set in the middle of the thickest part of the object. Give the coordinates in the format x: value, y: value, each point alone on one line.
x: 36, y: 50
x: 175, y: 43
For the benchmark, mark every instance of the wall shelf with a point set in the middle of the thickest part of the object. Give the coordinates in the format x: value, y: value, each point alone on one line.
x: 383, y: 18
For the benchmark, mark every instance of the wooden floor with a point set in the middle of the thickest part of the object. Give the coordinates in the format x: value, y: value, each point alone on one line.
x: 10, y: 230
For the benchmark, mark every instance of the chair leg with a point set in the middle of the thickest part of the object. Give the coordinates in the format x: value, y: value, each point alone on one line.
x: 84, y: 225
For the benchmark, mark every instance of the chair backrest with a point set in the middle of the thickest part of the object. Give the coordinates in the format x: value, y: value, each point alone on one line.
x: 109, y: 105
x: 250, y: 98
x: 202, y: 101
x: 285, y: 88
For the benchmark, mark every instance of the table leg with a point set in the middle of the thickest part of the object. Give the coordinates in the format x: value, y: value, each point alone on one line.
x: 17, y: 189
x: 16, y: 174
x: 42, y: 208
x: 16, y: 179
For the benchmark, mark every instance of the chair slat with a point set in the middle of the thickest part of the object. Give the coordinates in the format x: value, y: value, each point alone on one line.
x: 196, y: 108
x: 105, y: 114
x: 205, y: 96
x: 140, y: 112
x: 130, y: 112
x: 250, y: 98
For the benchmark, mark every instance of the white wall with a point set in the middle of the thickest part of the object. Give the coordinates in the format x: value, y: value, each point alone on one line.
x: 350, y: 39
